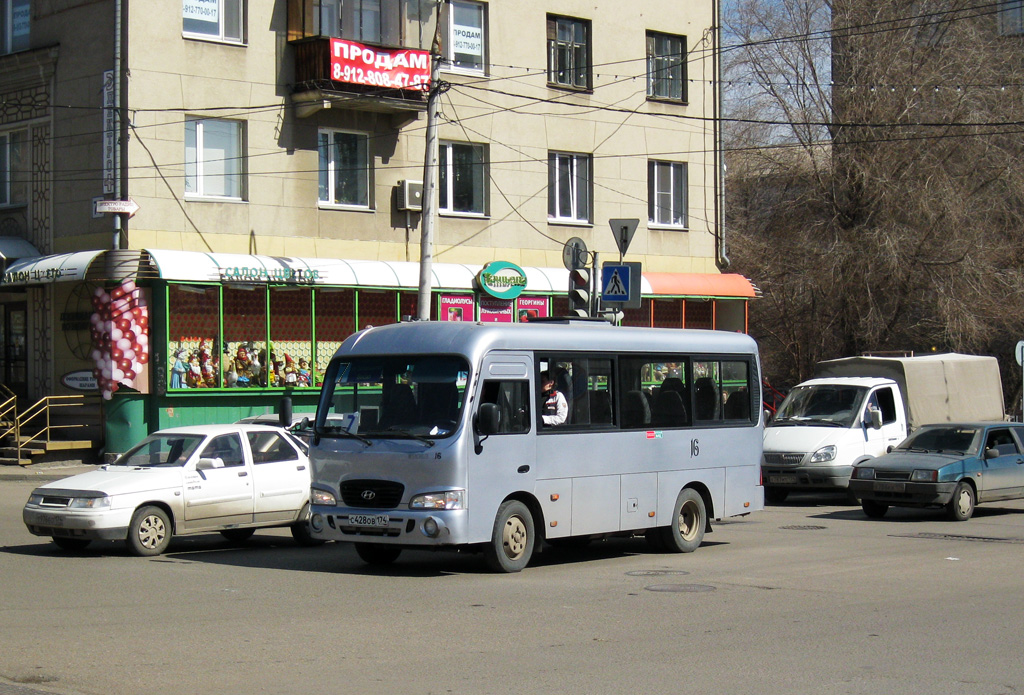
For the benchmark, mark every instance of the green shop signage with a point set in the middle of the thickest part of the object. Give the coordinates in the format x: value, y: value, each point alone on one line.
x: 502, y: 280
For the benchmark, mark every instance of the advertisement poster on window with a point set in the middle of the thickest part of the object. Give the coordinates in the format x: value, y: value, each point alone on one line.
x: 391, y: 68
x: 496, y: 310
x: 528, y: 308
x: 201, y: 10
x: 456, y: 308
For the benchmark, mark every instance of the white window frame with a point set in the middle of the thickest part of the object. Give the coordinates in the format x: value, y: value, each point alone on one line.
x: 580, y: 201
x: 201, y: 167
x: 447, y: 179
x: 7, y: 170
x: 1011, y: 18
x: 667, y: 182
x: 225, y: 10
x: 329, y: 170
x: 14, y: 12
x: 665, y: 68
x: 454, y: 39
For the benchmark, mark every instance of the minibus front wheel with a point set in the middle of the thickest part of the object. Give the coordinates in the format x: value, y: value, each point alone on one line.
x: 512, y: 539
x: 689, y: 519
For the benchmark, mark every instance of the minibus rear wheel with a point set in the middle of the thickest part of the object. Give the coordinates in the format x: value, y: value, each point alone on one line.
x: 512, y: 538
x: 689, y: 519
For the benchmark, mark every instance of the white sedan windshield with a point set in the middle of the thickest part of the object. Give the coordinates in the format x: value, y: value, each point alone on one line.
x: 161, y: 450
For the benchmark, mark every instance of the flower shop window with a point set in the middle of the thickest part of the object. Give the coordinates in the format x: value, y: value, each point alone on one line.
x: 377, y: 308
x: 193, y: 330
x: 245, y: 337
x: 335, y: 321
x: 291, y: 337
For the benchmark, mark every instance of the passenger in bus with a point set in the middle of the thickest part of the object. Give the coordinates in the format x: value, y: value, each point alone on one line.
x: 555, y: 409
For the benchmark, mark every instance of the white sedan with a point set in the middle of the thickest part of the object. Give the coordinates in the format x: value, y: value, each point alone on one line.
x: 186, y: 480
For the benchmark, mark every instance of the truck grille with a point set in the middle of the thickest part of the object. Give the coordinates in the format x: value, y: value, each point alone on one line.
x: 776, y: 459
x: 371, y: 494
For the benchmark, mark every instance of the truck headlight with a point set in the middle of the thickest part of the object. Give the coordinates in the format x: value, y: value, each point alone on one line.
x: 449, y: 499
x: 322, y: 497
x: 864, y: 473
x: 90, y: 503
x: 825, y: 453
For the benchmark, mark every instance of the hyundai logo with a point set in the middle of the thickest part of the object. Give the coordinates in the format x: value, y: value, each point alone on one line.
x: 368, y: 495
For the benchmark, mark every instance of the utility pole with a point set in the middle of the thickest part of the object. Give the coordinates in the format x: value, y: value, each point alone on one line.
x: 430, y: 176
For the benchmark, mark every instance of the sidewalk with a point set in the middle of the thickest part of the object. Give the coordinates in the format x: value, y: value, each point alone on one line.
x: 46, y: 471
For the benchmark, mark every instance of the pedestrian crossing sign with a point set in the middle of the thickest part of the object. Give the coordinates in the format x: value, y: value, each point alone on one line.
x: 615, y: 283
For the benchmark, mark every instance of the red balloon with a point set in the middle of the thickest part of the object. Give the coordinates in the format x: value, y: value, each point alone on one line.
x: 129, y: 374
x: 116, y: 354
x: 142, y: 358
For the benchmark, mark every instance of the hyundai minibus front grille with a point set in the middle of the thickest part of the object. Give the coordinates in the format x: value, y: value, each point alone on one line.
x: 371, y: 494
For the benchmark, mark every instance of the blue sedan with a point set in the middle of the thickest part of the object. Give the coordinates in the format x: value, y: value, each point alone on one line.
x: 951, y: 466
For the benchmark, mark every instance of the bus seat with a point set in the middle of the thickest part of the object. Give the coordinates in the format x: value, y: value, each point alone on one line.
x: 600, y: 407
x: 635, y: 411
x: 399, y: 408
x: 705, y: 399
x: 737, y: 406
x: 669, y: 409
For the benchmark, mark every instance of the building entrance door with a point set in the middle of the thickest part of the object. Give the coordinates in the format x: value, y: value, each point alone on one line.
x: 13, y: 350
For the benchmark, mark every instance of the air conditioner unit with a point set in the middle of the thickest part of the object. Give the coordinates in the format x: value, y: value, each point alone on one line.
x: 410, y: 195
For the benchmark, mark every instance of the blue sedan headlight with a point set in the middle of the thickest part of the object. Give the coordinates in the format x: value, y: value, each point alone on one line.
x: 864, y: 473
x: 922, y: 475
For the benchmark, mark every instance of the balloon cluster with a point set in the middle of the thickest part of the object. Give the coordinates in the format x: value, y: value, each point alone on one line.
x: 120, y: 336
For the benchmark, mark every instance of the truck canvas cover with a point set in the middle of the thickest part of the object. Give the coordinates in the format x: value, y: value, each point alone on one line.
x: 936, y: 388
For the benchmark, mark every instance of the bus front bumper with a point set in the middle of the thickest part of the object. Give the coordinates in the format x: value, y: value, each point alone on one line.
x: 426, y: 527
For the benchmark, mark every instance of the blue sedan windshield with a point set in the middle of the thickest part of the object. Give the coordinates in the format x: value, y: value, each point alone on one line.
x: 956, y: 438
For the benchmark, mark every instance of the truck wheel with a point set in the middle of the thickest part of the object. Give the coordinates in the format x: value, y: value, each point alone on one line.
x: 775, y: 495
x: 689, y: 519
x: 874, y: 510
x: 961, y: 507
x: 149, y: 533
x: 377, y: 553
x: 512, y: 538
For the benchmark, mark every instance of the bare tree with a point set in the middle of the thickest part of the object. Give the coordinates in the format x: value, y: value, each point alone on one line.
x: 872, y: 188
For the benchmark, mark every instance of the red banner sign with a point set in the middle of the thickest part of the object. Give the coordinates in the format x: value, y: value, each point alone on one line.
x: 391, y: 68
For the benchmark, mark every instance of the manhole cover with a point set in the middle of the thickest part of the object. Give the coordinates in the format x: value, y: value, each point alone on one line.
x: 803, y: 528
x: 654, y: 573
x: 680, y: 588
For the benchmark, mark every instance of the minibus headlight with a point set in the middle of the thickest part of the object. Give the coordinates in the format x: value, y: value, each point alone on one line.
x: 825, y: 453
x: 90, y: 503
x: 448, y: 499
x: 922, y: 475
x: 322, y: 497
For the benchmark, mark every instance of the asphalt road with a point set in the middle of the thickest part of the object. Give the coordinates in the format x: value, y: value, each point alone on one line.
x: 808, y: 597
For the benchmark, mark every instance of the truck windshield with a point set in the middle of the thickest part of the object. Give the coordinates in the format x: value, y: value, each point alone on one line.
x: 824, y: 404
x: 397, y: 396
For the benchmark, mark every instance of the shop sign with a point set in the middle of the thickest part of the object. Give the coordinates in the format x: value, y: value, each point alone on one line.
x: 502, y: 280
x: 456, y: 308
x: 391, y: 68
x: 528, y: 308
x: 496, y: 310
x: 299, y: 276
x: 82, y: 380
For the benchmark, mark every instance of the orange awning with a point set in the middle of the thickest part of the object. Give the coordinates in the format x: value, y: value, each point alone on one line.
x: 701, y: 285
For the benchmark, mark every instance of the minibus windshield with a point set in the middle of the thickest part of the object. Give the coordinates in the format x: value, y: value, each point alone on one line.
x: 397, y: 396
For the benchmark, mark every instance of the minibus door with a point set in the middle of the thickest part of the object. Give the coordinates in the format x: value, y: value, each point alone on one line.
x: 503, y: 462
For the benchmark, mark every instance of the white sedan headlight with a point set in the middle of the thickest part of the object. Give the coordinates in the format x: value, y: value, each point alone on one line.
x: 449, y: 499
x: 90, y: 503
x: 825, y: 453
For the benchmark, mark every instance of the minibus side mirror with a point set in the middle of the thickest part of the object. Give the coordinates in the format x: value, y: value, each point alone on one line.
x: 488, y: 419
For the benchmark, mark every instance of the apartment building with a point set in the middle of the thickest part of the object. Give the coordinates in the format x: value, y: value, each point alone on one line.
x: 202, y: 198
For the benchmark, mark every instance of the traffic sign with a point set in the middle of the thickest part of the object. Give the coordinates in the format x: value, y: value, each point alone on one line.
x: 128, y: 207
x: 622, y: 230
x: 615, y: 283
x: 574, y: 254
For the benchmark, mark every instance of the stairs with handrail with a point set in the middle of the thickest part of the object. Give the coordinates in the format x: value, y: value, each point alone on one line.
x: 53, y: 426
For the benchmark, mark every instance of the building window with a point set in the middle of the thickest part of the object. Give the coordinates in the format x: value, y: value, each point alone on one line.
x: 463, y: 183
x: 220, y: 20
x: 466, y: 36
x: 569, y: 52
x: 569, y: 187
x: 344, y: 169
x: 213, y: 158
x: 14, y: 25
x: 1011, y: 17
x: 13, y: 172
x: 667, y: 193
x: 666, y: 66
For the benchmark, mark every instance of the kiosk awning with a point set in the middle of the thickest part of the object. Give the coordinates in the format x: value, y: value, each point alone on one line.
x: 16, y: 247
x: 62, y: 267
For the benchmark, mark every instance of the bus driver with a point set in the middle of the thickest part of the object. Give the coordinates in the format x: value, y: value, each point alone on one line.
x: 555, y: 409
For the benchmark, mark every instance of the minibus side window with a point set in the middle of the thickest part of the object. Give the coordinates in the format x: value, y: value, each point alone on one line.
x: 513, y: 400
x: 586, y: 384
x: 655, y: 392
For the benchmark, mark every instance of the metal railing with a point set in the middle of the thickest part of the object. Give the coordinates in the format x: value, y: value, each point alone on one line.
x: 9, y: 423
x: 39, y: 415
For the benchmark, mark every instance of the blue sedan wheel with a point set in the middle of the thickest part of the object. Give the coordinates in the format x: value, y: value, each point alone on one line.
x: 961, y: 507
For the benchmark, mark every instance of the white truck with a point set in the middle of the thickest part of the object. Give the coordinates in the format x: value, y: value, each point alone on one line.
x: 856, y: 407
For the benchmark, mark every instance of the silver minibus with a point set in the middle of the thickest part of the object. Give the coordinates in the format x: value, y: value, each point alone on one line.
x: 433, y: 434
